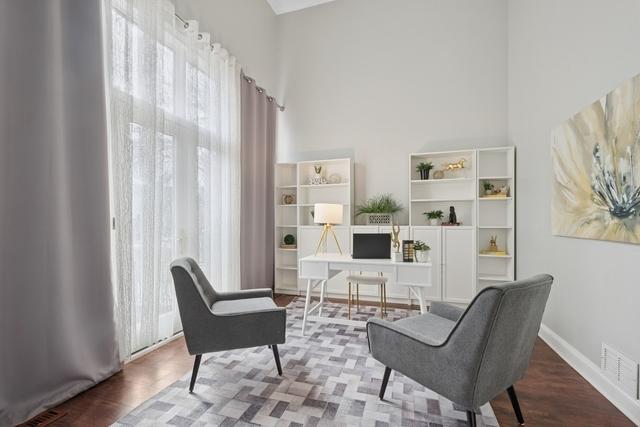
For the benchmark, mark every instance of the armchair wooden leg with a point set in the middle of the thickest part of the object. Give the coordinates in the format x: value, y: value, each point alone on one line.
x: 471, y: 418
x: 385, y: 381
x: 516, y: 405
x: 276, y: 356
x: 194, y: 374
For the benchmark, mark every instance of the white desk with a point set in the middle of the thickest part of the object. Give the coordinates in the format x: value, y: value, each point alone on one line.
x: 317, y: 269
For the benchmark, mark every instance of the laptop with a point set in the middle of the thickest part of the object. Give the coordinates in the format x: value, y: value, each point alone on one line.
x: 371, y: 246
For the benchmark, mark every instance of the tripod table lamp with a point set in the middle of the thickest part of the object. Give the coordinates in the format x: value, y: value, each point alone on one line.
x: 328, y: 215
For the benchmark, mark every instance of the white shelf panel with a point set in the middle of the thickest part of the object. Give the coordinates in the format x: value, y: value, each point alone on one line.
x: 342, y: 184
x: 497, y: 227
x: 495, y: 199
x: 495, y: 256
x: 495, y: 278
x: 286, y: 226
x: 442, y: 200
x: 288, y: 206
x: 495, y: 177
x: 302, y: 205
x: 287, y: 250
x: 287, y: 267
x: 441, y: 181
x: 287, y: 186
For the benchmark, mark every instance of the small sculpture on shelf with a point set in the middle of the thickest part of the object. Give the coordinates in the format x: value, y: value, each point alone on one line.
x: 493, y: 244
x: 455, y: 165
x: 288, y: 199
x: 453, y: 218
x: 493, y: 248
x: 317, y: 178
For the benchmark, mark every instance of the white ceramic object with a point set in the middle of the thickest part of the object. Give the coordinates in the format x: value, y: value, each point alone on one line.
x: 421, y: 256
x: 434, y: 221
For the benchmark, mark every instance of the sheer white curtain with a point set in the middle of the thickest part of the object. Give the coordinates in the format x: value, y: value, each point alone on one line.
x: 175, y: 162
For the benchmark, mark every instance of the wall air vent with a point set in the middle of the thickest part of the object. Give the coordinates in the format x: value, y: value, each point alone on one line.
x: 621, y: 370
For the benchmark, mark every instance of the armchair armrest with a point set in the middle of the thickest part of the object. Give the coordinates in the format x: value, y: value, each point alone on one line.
x: 245, y: 294
x: 447, y: 311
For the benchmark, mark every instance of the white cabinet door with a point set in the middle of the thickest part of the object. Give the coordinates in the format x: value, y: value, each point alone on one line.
x: 432, y: 236
x: 458, y: 272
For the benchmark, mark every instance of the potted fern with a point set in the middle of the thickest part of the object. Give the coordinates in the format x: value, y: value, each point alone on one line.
x: 379, y: 209
x: 423, y: 169
x: 434, y: 216
x: 421, y: 251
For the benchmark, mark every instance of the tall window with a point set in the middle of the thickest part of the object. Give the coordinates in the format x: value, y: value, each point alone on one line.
x: 174, y: 162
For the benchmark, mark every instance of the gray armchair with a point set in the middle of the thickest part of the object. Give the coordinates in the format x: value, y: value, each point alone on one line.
x: 468, y: 356
x: 214, y: 321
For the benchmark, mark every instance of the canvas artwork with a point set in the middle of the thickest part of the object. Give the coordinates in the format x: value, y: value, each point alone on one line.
x: 596, y: 169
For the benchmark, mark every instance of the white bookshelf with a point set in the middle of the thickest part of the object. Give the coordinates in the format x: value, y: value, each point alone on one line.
x: 457, y: 188
x: 480, y: 217
x: 296, y: 219
x: 286, y: 222
x: 496, y: 216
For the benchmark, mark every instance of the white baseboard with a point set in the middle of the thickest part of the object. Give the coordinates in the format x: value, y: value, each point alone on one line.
x: 592, y: 373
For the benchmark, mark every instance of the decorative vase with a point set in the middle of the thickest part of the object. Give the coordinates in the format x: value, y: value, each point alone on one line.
x: 422, y: 256
x: 396, y: 256
x: 433, y: 221
x: 424, y: 173
x: 488, y: 192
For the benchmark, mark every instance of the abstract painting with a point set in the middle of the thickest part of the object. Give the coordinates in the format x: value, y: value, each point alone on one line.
x: 596, y: 170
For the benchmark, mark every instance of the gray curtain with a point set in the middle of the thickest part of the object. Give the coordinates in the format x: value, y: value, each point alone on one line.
x: 258, y: 121
x: 57, y: 333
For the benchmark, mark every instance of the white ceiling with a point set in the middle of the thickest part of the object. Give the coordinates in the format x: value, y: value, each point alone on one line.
x: 285, y: 6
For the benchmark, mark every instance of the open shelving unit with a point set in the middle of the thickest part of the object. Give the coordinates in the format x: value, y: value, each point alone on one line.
x: 457, y: 188
x: 496, y: 216
x: 296, y: 219
x: 481, y: 216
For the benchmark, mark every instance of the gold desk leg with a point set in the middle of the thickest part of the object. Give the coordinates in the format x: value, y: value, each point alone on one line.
x: 381, y: 300
x: 358, y: 296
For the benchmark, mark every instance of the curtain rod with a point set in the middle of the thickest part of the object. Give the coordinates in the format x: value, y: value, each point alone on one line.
x: 249, y: 80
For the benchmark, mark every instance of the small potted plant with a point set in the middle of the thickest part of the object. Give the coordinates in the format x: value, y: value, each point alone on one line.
x: 421, y: 251
x: 434, y: 216
x: 424, y: 168
x: 288, y: 242
x: 488, y: 188
x: 379, y: 209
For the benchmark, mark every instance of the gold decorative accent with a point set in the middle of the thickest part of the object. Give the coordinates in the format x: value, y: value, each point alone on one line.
x: 395, y: 237
x: 456, y: 165
x: 323, y: 237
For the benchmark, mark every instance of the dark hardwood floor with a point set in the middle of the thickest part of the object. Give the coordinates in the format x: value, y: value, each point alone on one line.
x: 552, y: 393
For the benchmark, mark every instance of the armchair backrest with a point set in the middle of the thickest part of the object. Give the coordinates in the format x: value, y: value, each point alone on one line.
x: 503, y: 322
x: 195, y: 297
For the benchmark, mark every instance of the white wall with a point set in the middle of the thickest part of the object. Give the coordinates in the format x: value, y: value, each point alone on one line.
x: 563, y: 55
x: 247, y: 28
x: 378, y: 79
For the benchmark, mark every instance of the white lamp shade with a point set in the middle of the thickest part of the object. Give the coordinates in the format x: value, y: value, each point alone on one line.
x: 327, y: 213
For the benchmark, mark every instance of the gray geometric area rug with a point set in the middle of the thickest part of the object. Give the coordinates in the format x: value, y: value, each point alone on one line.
x: 329, y: 379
